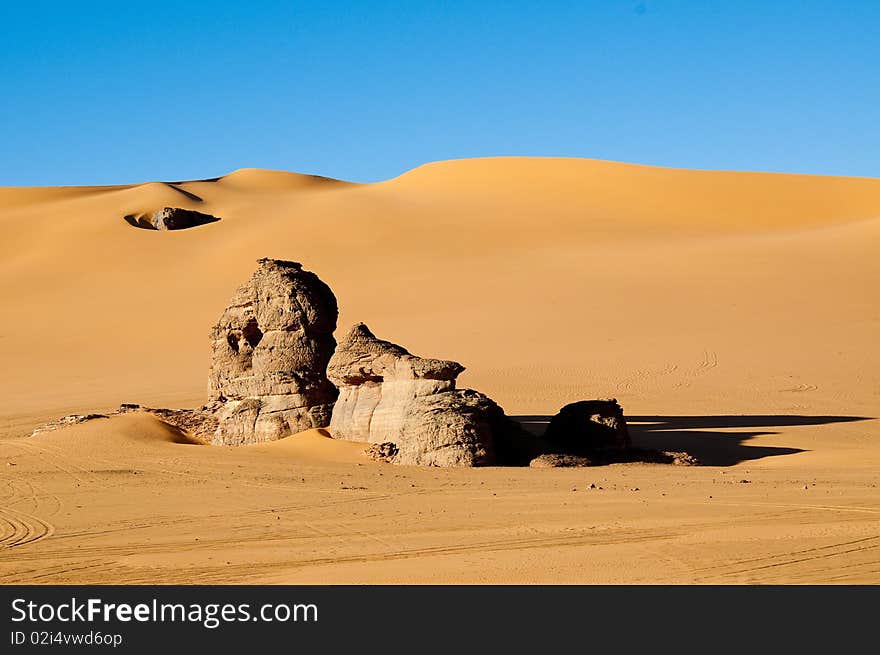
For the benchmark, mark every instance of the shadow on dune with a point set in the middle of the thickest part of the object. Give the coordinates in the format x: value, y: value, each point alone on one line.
x: 188, y: 194
x: 701, y: 436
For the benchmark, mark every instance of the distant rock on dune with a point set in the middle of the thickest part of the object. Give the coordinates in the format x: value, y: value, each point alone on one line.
x: 389, y: 396
x: 171, y: 218
x: 270, y: 350
x: 175, y: 218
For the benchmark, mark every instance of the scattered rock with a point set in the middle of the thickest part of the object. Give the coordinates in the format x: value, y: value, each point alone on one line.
x: 383, y: 452
x: 270, y: 350
x: 605, y: 456
x: 198, y: 423
x: 555, y: 460
x: 64, y: 421
x: 678, y: 458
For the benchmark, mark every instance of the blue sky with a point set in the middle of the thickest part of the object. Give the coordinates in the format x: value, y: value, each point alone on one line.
x: 114, y: 92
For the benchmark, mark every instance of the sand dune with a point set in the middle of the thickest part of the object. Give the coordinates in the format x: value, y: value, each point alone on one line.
x: 313, y: 445
x: 626, y: 194
x: 732, y: 313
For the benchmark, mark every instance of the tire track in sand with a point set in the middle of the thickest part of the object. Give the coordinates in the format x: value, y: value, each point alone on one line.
x: 20, y: 528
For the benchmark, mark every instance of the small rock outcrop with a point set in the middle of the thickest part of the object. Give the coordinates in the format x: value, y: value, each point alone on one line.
x: 270, y: 351
x: 389, y: 396
x: 175, y: 218
x: 589, y: 426
x: 594, y: 433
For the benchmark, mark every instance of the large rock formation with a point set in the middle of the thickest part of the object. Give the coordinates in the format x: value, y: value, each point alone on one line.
x: 273, y: 361
x: 270, y: 350
x: 389, y: 396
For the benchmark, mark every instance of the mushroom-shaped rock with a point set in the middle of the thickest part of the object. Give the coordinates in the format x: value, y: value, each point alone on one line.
x: 270, y: 350
x: 388, y: 395
x: 377, y: 382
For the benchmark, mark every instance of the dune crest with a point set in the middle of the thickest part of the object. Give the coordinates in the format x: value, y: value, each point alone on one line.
x: 261, y: 179
x: 655, y: 195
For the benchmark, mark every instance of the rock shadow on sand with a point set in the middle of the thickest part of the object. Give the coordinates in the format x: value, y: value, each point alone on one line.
x: 702, y: 436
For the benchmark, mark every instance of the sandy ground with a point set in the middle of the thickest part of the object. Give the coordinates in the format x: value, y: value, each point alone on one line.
x: 734, y: 315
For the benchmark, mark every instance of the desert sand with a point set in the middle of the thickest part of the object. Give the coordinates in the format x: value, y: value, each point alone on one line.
x: 734, y: 315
